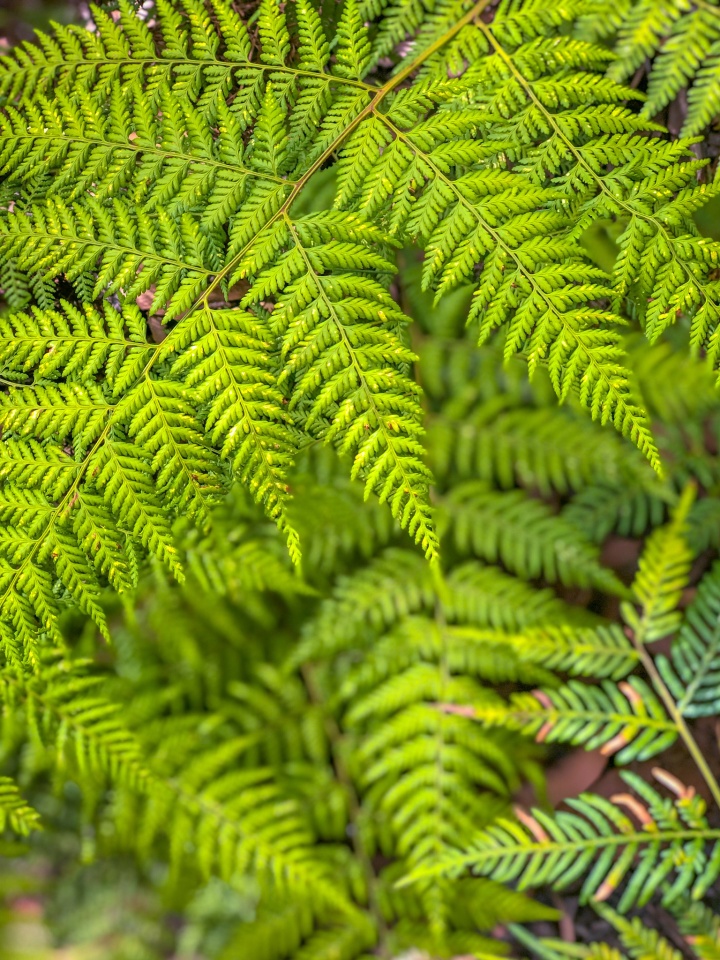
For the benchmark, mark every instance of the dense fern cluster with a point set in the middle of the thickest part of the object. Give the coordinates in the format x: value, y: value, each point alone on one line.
x: 344, y: 749
x: 167, y: 166
x: 228, y: 236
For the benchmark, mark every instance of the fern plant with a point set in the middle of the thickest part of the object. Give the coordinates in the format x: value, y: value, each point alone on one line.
x: 227, y: 236
x: 153, y: 180
x: 327, y: 747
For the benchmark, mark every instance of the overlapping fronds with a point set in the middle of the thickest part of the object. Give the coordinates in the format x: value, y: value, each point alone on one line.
x: 169, y: 168
x: 174, y: 782
x: 209, y: 225
x: 682, y: 43
x: 635, y: 841
x: 525, y: 536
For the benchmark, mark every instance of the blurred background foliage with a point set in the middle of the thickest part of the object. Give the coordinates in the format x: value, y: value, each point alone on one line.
x: 20, y: 18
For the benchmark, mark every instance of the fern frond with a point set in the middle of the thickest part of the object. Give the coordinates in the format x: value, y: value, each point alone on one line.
x: 75, y: 345
x: 637, y: 939
x: 600, y: 843
x: 601, y: 509
x: 66, y: 713
x: 496, y: 217
x: 682, y: 41
x: 343, y: 354
x: 626, y: 720
x: 227, y: 364
x: 172, y: 164
x: 662, y: 576
x: 237, y: 818
x: 690, y: 672
x: 563, y: 128
x: 110, y: 249
x: 397, y: 585
x: 701, y: 928
x: 525, y: 536
x: 536, y: 448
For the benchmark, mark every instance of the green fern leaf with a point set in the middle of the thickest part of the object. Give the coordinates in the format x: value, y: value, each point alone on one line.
x: 595, y: 840
x: 690, y: 671
x: 662, y: 576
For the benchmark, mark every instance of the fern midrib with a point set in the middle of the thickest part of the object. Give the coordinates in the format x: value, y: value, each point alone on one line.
x: 566, y: 713
x: 47, y: 464
x: 44, y: 408
x: 52, y: 339
x: 550, y: 117
x: 66, y: 239
x: 171, y: 62
x: 140, y: 149
x: 547, y: 847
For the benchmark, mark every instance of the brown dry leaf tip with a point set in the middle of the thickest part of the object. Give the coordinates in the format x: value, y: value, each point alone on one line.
x: 543, y: 698
x: 631, y: 693
x: 606, y: 889
x: 634, y: 806
x: 544, y: 731
x: 672, y: 783
x: 617, y: 743
x: 458, y: 709
x: 531, y: 823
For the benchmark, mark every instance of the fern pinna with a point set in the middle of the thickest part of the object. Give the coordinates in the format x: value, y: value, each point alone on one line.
x: 680, y: 41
